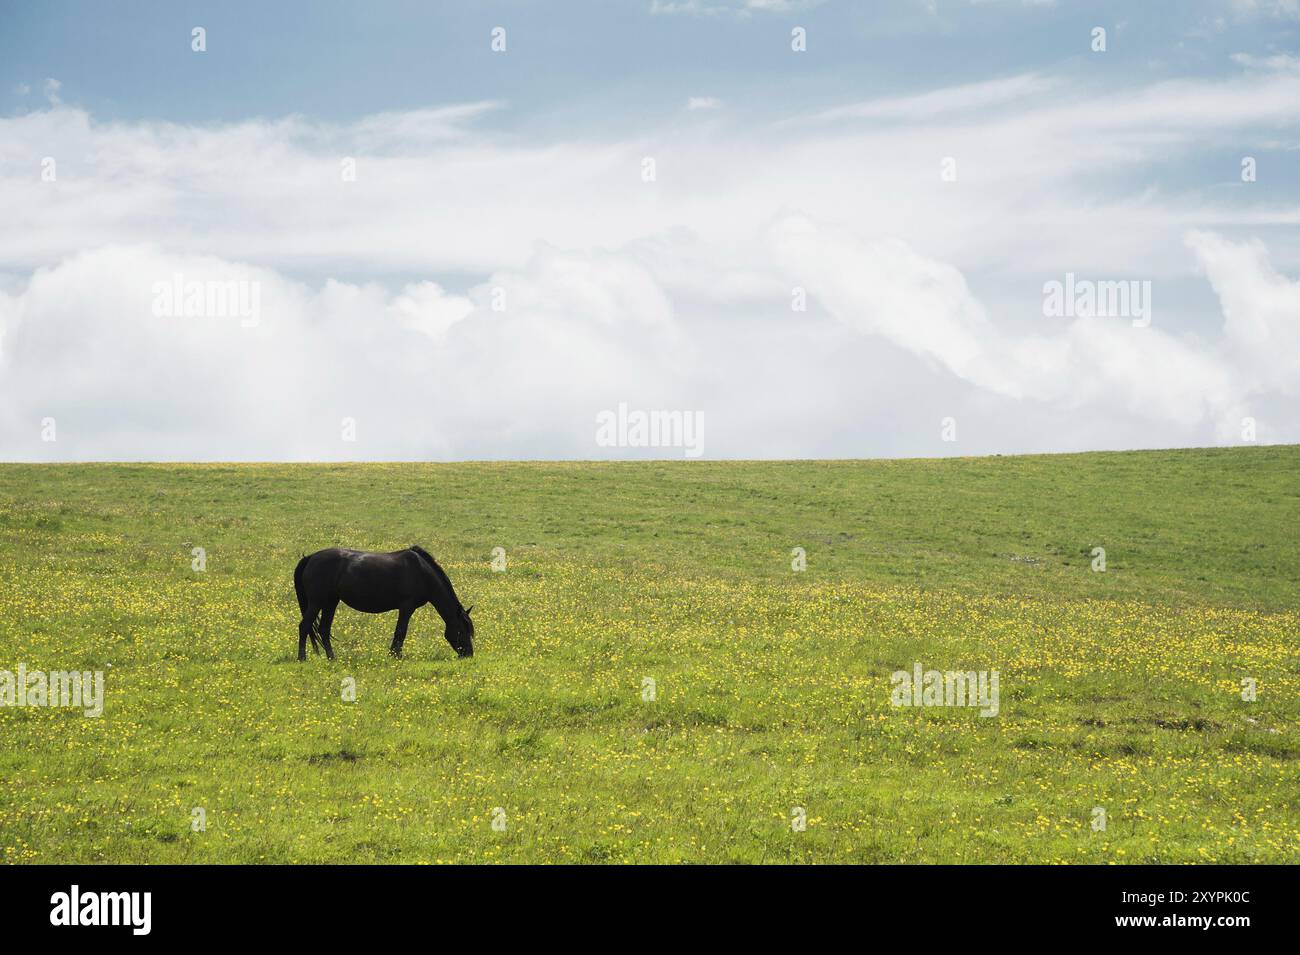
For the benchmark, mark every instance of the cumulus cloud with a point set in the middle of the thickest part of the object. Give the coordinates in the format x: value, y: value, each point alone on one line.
x: 886, y: 288
x: 421, y: 372
x: 520, y: 365
x: 1261, y: 310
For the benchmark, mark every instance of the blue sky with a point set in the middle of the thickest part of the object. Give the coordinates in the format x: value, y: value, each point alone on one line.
x: 521, y: 174
x: 341, y: 60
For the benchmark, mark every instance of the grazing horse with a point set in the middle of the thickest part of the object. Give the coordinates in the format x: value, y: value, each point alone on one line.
x: 403, y: 580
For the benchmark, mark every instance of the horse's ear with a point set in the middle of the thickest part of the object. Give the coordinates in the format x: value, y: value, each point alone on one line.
x: 470, y: 610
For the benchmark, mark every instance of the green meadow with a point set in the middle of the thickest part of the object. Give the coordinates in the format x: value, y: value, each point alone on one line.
x: 653, y: 680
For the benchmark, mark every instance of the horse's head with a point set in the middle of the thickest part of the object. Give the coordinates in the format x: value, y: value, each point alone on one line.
x: 460, y: 633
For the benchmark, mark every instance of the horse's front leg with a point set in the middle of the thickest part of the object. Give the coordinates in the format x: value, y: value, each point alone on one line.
x: 399, y: 635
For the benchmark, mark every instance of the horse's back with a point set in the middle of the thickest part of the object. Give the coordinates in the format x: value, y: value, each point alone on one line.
x: 347, y: 556
x: 349, y: 553
x: 369, y: 581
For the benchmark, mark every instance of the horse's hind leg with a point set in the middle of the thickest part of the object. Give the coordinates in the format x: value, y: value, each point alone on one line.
x: 326, y: 622
x: 304, y: 631
x: 399, y: 635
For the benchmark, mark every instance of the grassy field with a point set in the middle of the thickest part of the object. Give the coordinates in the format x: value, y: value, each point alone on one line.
x: 1119, y: 690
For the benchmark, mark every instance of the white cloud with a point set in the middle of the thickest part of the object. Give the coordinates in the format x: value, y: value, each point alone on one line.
x: 926, y: 296
x: 1278, y: 62
x: 1261, y: 310
x: 885, y: 288
x: 426, y: 308
x: 428, y: 373
x: 945, y: 102
x: 423, y: 372
x: 436, y: 191
x: 1273, y: 9
x: 703, y: 102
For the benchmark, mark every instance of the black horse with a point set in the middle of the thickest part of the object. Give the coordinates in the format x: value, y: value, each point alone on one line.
x: 403, y: 580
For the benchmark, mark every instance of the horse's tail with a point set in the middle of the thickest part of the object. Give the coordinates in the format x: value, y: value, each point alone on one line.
x: 314, y: 633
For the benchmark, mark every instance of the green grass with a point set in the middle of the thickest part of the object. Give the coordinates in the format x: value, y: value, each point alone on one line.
x: 1119, y: 690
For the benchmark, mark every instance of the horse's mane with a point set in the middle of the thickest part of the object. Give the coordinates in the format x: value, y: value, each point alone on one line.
x: 441, y: 574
